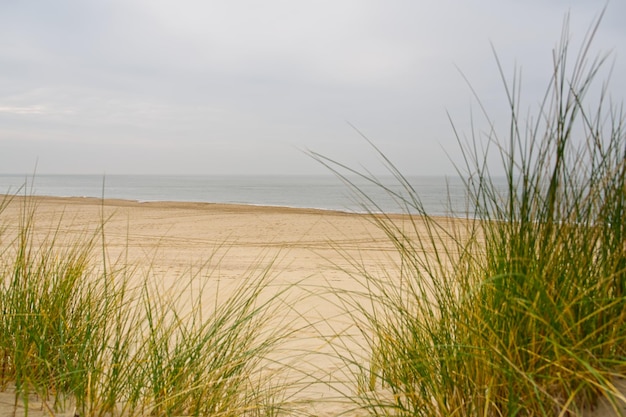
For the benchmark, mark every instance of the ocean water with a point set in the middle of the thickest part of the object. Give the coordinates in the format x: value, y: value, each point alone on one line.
x: 439, y: 195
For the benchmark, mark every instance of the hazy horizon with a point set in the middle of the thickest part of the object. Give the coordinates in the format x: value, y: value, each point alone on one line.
x: 149, y: 87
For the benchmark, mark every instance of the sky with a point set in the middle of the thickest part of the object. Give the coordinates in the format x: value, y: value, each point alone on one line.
x: 229, y: 87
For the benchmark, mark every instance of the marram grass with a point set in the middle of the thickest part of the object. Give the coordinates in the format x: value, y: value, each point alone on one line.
x: 519, y: 310
x: 83, y: 339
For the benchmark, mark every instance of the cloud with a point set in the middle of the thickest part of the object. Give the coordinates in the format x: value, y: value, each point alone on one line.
x: 22, y: 110
x: 285, y: 75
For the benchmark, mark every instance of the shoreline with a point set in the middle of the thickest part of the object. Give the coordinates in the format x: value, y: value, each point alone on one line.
x: 441, y: 196
x: 123, y: 202
x: 210, y: 206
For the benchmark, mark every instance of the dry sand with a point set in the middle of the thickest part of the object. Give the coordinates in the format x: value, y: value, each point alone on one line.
x: 167, y: 241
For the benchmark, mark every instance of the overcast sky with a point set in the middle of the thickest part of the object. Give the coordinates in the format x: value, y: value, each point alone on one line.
x: 246, y: 87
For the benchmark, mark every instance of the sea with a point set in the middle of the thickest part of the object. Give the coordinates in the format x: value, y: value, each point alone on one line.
x: 437, y: 195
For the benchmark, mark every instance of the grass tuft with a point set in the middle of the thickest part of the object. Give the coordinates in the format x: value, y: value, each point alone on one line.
x: 101, y: 341
x: 519, y: 309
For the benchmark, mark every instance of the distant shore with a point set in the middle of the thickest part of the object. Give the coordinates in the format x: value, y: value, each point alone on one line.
x: 440, y: 195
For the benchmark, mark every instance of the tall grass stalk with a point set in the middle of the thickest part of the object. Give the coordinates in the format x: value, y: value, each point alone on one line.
x: 198, y: 366
x: 520, y: 308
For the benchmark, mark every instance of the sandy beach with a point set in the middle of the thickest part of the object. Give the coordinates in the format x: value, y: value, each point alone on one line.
x: 169, y: 238
x: 168, y: 241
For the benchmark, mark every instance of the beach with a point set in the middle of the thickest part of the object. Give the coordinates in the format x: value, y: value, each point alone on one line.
x: 310, y: 251
x: 169, y: 238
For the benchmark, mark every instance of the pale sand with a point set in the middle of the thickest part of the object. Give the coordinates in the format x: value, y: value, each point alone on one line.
x: 169, y: 241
